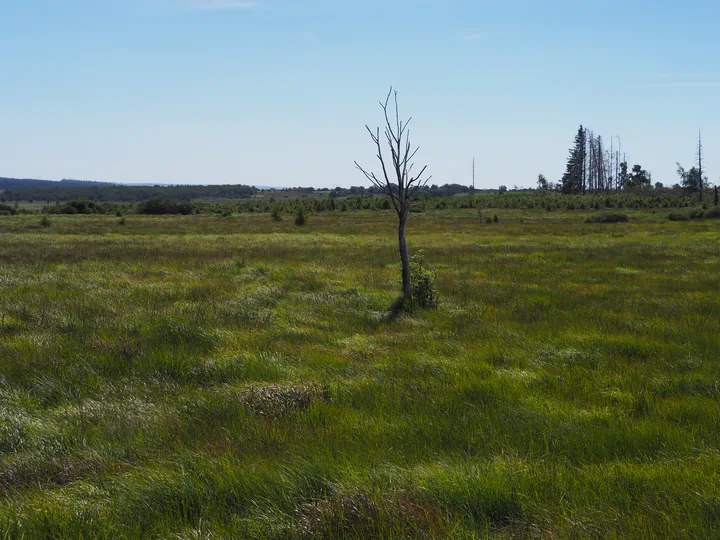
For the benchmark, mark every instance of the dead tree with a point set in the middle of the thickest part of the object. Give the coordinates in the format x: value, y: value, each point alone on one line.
x: 398, y: 181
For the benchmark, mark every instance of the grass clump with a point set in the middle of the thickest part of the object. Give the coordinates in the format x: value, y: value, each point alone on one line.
x: 358, y: 514
x: 612, y: 217
x: 278, y: 400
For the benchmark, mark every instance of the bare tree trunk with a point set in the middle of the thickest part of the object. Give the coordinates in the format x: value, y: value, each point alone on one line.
x: 404, y: 258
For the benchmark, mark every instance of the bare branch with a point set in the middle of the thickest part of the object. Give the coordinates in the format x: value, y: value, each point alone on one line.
x: 404, y: 186
x: 415, y: 190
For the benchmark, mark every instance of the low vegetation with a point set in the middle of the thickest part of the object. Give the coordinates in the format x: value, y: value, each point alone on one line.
x: 608, y: 218
x: 210, y: 376
x: 695, y: 213
x: 79, y: 206
x: 160, y: 206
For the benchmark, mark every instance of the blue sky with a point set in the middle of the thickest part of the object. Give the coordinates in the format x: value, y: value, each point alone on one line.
x: 277, y: 92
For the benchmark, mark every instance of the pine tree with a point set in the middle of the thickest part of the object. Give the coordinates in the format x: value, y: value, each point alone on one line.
x: 639, y: 177
x: 573, y: 181
x: 690, y: 180
x: 623, y: 177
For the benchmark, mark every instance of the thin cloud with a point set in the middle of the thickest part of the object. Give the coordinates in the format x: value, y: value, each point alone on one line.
x: 476, y: 36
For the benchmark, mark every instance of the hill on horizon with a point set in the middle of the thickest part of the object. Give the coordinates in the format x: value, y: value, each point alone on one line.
x: 32, y: 183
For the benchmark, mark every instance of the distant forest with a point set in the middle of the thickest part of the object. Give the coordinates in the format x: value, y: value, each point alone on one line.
x: 29, y: 183
x: 67, y: 190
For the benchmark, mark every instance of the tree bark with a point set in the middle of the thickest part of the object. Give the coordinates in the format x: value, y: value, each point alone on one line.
x: 404, y: 258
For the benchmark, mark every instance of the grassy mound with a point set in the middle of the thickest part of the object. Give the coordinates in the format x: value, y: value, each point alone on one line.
x: 608, y: 218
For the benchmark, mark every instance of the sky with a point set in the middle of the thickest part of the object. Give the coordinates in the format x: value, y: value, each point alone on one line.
x: 277, y: 92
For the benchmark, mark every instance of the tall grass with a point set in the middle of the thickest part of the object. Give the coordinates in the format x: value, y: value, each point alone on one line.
x: 200, y: 377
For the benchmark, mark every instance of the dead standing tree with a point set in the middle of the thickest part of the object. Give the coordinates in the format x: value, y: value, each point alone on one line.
x: 400, y: 185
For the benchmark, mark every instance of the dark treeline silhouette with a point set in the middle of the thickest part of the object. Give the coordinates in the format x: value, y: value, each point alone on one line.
x: 121, y: 194
x: 29, y: 183
x: 58, y: 192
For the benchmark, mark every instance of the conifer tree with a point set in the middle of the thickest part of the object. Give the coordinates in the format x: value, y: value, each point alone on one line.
x: 573, y: 181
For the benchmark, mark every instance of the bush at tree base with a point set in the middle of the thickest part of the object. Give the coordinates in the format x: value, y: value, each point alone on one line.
x: 422, y: 283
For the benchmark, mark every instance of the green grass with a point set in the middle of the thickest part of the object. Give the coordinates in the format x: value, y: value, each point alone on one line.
x: 209, y: 377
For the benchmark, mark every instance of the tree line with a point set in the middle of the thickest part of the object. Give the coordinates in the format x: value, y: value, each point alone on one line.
x: 549, y: 201
x: 122, y: 194
x: 57, y: 192
x: 595, y: 168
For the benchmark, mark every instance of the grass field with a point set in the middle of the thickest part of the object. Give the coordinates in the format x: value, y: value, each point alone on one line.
x: 208, y: 377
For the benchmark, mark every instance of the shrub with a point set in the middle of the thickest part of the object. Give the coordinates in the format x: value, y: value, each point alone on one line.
x: 159, y: 206
x: 300, y: 218
x: 696, y: 213
x: 121, y: 222
x: 79, y: 206
x: 489, y: 221
x: 495, y: 219
x: 608, y: 218
x: 276, y: 215
x: 678, y: 216
x: 417, y: 207
x: 45, y: 222
x: 422, y: 283
x: 6, y: 210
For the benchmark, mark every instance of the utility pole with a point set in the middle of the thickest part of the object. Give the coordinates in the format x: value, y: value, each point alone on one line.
x: 473, y: 175
x: 700, y: 165
x: 617, y: 165
x: 611, y: 169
